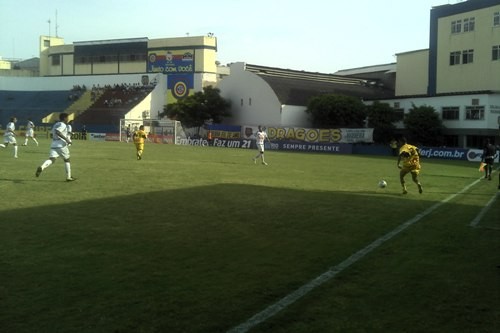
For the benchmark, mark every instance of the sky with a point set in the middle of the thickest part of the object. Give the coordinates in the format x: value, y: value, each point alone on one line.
x: 315, y: 35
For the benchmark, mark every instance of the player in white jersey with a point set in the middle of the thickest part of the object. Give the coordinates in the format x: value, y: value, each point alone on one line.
x: 260, y: 136
x: 30, y: 132
x: 9, y: 137
x: 59, y: 147
x: 70, y: 129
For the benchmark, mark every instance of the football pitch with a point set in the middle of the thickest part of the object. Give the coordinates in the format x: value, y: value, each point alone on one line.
x: 201, y: 239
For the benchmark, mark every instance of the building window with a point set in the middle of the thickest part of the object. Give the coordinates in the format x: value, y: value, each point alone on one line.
x: 496, y: 19
x: 82, y: 60
x: 456, y: 26
x: 133, y: 57
x: 399, y: 114
x: 455, y: 58
x: 475, y: 141
x: 396, y: 105
x: 56, y: 60
x: 467, y: 56
x: 450, y: 112
x: 474, y: 112
x: 46, y: 42
x: 451, y: 140
x: 495, y: 52
x: 469, y: 24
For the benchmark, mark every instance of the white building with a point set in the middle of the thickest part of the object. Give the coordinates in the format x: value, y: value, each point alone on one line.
x: 459, y: 75
x: 278, y: 97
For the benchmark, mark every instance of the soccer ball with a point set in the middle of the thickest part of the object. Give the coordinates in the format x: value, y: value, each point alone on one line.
x: 382, y: 184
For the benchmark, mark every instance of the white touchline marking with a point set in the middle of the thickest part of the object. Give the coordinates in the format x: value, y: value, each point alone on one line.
x: 483, y: 211
x: 334, y: 270
x: 475, y: 222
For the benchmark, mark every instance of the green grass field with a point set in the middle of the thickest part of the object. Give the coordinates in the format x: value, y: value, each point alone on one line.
x: 194, y: 239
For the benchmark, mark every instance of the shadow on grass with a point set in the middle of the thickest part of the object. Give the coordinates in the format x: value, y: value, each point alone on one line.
x: 27, y: 181
x: 192, y: 260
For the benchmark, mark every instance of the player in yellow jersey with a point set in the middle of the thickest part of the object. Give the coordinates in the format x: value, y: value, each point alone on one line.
x: 139, y: 136
x: 410, y: 156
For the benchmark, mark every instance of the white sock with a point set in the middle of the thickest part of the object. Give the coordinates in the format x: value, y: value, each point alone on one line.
x: 35, y: 141
x: 2, y: 145
x: 46, y: 164
x: 67, y: 166
x: 15, y: 151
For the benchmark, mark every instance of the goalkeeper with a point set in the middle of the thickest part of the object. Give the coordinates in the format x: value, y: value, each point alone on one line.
x: 139, y: 137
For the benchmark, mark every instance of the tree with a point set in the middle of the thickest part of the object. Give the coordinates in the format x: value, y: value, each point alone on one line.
x: 424, y: 126
x: 381, y: 117
x: 197, y: 109
x: 336, y: 111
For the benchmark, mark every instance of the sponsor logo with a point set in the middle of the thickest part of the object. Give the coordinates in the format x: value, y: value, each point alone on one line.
x: 454, y: 154
x: 191, y: 142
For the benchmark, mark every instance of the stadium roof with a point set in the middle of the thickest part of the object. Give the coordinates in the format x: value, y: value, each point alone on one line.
x: 387, y: 68
x: 297, y: 87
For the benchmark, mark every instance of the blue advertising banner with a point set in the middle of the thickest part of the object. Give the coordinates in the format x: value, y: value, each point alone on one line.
x: 228, y: 143
x: 472, y: 155
x: 179, y: 86
x: 444, y: 153
x: 217, y: 142
x: 333, y: 148
x: 171, y: 61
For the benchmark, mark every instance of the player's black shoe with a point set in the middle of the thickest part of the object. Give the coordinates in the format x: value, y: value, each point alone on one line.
x: 38, y: 171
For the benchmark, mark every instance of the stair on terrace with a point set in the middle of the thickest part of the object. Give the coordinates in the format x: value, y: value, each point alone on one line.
x: 78, y: 106
x: 111, y: 106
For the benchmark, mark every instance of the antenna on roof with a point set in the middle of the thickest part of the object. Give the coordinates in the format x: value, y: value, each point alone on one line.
x: 48, y: 21
x: 57, y: 25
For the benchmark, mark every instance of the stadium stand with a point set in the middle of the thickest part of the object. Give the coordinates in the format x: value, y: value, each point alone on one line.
x: 80, y: 105
x: 31, y: 104
x: 111, y: 105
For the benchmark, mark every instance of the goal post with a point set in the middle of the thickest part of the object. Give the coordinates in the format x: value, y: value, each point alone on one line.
x: 158, y: 130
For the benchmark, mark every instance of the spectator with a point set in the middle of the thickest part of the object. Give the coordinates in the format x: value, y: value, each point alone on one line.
x: 394, y: 147
x: 84, y: 133
x: 488, y: 157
